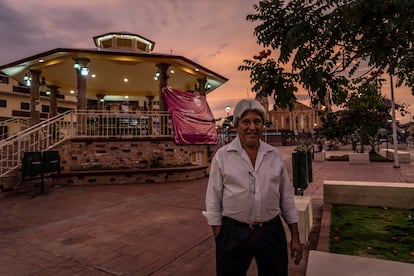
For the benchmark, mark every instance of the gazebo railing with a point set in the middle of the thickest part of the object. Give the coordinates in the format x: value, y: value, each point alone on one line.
x: 123, y: 124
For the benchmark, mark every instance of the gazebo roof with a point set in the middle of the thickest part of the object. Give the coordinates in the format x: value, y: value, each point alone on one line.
x: 114, y: 71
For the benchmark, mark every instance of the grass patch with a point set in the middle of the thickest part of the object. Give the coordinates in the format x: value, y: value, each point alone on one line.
x: 382, y: 233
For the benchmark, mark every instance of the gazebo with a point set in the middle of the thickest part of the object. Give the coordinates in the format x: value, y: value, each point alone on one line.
x: 118, y: 90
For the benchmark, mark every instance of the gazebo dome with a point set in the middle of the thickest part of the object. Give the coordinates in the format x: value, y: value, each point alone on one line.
x: 124, y: 41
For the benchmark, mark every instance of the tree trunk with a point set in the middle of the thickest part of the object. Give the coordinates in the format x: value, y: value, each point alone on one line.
x: 361, y: 139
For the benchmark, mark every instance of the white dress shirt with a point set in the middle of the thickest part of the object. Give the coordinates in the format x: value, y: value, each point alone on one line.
x: 239, y: 191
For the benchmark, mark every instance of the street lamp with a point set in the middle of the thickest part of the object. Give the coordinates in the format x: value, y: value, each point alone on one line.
x: 80, y: 66
x: 228, y: 108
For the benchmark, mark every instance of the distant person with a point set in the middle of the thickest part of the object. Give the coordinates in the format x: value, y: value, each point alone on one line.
x: 354, y: 145
x: 248, y: 193
x: 320, y: 146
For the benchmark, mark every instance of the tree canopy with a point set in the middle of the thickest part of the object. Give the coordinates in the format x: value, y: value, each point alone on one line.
x: 365, y: 112
x: 327, y: 46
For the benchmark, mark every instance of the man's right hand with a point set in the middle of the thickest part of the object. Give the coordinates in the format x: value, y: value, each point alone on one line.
x: 216, y: 230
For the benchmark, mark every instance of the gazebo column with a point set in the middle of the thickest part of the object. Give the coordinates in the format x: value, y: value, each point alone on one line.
x: 202, y: 86
x: 151, y: 118
x: 34, y: 97
x: 100, y: 103
x: 54, y: 91
x: 150, y: 102
x: 163, y: 67
x: 81, y: 73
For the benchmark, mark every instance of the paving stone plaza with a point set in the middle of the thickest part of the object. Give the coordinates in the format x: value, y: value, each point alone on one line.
x: 158, y: 229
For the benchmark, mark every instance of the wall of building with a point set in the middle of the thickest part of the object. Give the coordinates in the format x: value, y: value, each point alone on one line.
x: 15, y: 100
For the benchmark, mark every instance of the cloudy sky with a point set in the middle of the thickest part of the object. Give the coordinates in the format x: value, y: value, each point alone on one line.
x: 213, y: 33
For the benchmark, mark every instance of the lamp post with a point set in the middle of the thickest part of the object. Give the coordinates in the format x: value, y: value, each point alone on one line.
x: 228, y: 108
x: 394, y: 125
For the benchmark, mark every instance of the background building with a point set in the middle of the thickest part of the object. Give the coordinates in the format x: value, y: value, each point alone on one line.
x: 302, y: 119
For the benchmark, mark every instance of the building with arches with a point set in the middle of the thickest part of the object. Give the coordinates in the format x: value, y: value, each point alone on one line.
x: 302, y: 119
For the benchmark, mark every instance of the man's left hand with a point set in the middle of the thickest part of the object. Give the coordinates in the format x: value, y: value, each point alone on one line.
x: 296, y: 249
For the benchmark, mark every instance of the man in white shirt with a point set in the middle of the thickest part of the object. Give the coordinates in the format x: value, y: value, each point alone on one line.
x: 248, y: 192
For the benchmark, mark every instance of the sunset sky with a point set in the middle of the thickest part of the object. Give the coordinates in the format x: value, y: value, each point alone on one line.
x: 213, y: 33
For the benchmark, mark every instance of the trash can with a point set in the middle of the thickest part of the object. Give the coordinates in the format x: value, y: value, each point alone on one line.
x: 31, y: 164
x: 38, y: 163
x: 300, y: 171
x: 309, y: 163
x: 51, y: 161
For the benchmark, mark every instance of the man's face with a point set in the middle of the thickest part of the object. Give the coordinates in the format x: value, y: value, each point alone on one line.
x: 250, y: 128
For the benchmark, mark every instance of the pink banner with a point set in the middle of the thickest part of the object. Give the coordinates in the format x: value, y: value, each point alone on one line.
x: 192, y: 119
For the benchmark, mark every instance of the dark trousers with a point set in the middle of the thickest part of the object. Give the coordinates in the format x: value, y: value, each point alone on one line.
x: 237, y: 245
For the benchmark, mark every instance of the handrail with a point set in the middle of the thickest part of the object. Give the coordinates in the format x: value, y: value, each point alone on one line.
x: 31, y: 128
x: 13, y: 126
x: 83, y: 124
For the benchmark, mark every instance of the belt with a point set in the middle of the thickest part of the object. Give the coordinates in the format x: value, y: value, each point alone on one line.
x: 252, y: 225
